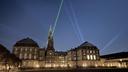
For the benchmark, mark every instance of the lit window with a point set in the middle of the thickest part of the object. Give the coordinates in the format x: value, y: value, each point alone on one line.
x: 91, y: 57
x: 88, y: 57
x: 87, y: 51
x: 24, y: 63
x: 16, y: 49
x: 74, y: 54
x: 84, y: 54
x: 30, y: 56
x: 25, y: 55
x: 94, y: 51
x: 50, y: 53
x: 74, y: 58
x: 21, y: 49
x: 20, y: 56
x: 35, y: 50
x: 90, y: 51
x: 84, y: 57
x: 97, y: 52
x: 25, y: 49
x: 35, y: 57
x: 94, y: 56
x: 30, y: 49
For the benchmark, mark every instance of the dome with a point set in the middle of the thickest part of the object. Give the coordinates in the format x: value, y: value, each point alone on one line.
x: 26, y: 42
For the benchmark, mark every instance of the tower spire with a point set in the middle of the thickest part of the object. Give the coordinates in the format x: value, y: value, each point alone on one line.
x: 50, y: 31
x: 50, y: 43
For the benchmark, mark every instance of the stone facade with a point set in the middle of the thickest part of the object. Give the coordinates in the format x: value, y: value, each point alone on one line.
x: 34, y: 56
x: 85, y: 55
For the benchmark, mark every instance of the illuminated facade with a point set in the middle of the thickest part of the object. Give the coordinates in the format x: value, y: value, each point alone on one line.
x: 33, y: 56
x: 8, y: 61
x: 119, y: 60
x: 85, y: 55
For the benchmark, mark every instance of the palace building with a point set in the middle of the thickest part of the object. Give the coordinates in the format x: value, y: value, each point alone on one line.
x: 85, y: 55
x: 26, y: 53
x: 33, y: 56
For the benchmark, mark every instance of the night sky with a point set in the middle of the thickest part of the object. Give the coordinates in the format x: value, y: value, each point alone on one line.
x: 103, y: 23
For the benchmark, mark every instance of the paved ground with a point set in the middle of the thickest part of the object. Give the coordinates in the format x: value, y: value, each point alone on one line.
x: 80, y: 70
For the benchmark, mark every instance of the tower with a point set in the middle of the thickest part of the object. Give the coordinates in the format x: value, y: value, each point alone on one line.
x: 50, y: 51
x: 50, y: 43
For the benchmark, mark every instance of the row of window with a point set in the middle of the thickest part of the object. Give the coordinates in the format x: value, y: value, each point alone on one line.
x: 91, y: 57
x: 87, y: 57
x: 84, y: 52
x: 26, y: 49
x: 27, y: 56
x: 89, y: 51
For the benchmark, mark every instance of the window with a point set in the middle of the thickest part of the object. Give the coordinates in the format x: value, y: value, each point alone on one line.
x: 87, y: 51
x: 21, y: 49
x: 50, y: 53
x: 88, y: 57
x: 16, y: 49
x: 84, y: 52
x: 34, y: 56
x: 90, y: 51
x: 20, y: 56
x: 94, y: 51
x: 30, y: 49
x: 30, y: 56
x: 25, y: 55
x: 84, y: 57
x: 25, y: 49
x: 94, y: 56
x: 97, y: 52
x: 91, y: 57
x: 74, y: 58
x: 35, y: 50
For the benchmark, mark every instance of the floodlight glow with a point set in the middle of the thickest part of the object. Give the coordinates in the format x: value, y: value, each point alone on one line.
x: 57, y: 17
x: 76, y: 23
x: 72, y: 22
x: 111, y: 41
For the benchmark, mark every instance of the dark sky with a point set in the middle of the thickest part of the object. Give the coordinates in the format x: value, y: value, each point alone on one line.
x: 103, y: 23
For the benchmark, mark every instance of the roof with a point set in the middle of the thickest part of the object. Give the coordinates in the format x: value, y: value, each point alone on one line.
x: 73, y: 49
x: 116, y: 55
x: 26, y: 42
x: 87, y: 44
x: 3, y: 49
x: 42, y: 49
x: 60, y: 53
